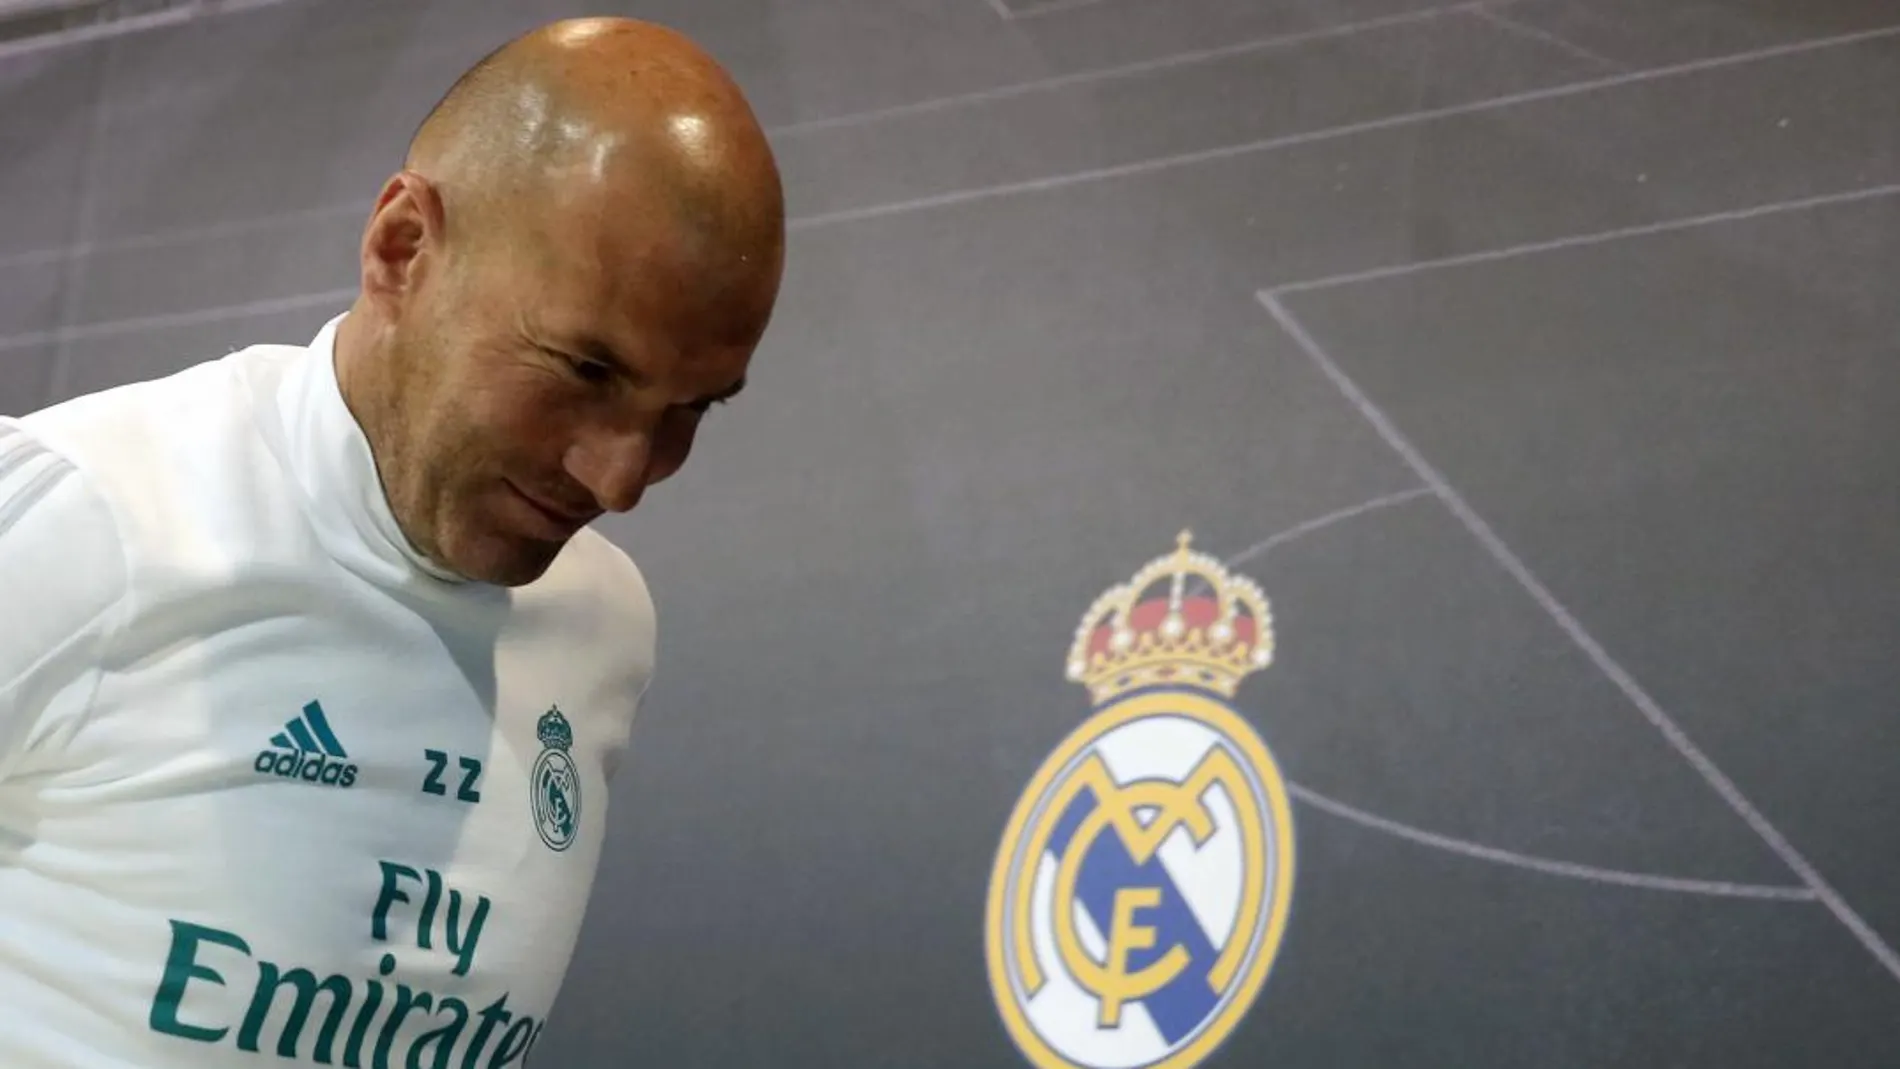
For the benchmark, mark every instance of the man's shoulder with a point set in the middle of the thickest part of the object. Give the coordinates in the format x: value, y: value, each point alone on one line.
x: 595, y: 567
x: 596, y: 600
x: 60, y: 552
x: 42, y: 488
x: 597, y: 591
x: 139, y: 423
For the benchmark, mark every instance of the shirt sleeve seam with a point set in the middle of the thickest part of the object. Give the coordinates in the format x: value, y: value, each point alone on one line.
x: 102, y: 631
x: 120, y: 611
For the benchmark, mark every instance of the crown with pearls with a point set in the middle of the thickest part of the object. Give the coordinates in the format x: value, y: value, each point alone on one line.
x: 1150, y: 631
x: 554, y: 731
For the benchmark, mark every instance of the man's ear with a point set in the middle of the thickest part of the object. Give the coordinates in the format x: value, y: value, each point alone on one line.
x: 403, y: 230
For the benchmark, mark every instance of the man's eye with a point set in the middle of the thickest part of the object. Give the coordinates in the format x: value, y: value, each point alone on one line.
x: 592, y: 372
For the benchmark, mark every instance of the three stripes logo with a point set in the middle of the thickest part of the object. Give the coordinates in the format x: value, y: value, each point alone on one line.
x: 308, y: 750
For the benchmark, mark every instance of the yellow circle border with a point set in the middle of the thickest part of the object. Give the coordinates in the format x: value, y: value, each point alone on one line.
x: 1212, y: 713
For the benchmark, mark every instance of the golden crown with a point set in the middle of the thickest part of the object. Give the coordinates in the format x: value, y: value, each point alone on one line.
x: 1132, y: 638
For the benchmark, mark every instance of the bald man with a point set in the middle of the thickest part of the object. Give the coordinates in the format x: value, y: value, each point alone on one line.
x: 312, y: 673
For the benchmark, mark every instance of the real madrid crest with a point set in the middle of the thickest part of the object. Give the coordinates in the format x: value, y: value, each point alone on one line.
x: 555, y: 785
x: 1143, y: 883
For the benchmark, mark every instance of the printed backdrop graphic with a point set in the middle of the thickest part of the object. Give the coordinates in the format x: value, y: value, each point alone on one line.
x: 1144, y: 882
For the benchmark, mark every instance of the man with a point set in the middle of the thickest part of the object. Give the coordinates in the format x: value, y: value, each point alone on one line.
x: 312, y: 677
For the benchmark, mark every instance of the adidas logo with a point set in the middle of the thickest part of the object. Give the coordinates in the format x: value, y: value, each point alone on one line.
x: 307, y: 749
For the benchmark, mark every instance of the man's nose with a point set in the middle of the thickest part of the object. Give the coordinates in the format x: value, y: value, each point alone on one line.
x: 613, y: 466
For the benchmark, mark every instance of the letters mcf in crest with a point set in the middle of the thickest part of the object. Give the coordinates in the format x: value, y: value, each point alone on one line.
x: 1143, y: 884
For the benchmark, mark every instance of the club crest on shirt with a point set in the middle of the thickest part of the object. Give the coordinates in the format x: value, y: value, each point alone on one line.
x: 1143, y: 884
x: 554, y: 789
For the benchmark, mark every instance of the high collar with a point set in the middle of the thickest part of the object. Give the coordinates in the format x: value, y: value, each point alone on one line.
x: 330, y: 457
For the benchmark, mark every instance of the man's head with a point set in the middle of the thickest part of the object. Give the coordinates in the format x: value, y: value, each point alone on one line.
x: 578, y: 258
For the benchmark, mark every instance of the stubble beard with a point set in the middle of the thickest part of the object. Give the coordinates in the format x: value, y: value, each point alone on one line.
x: 430, y: 461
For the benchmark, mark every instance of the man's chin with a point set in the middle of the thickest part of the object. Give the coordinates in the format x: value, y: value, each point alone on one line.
x: 503, y: 560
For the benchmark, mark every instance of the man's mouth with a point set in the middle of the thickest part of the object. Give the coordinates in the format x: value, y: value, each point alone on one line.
x: 560, y: 520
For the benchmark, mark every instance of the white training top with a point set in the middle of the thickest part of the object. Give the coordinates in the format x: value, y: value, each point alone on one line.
x: 272, y: 790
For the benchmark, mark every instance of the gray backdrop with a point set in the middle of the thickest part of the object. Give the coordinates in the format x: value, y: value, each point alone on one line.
x: 1538, y: 357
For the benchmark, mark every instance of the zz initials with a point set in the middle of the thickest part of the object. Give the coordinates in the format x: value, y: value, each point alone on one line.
x: 439, y: 762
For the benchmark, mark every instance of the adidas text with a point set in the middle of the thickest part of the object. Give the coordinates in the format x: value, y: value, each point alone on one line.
x: 311, y: 767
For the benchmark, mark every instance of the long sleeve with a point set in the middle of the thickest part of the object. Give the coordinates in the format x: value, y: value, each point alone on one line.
x: 63, y: 578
